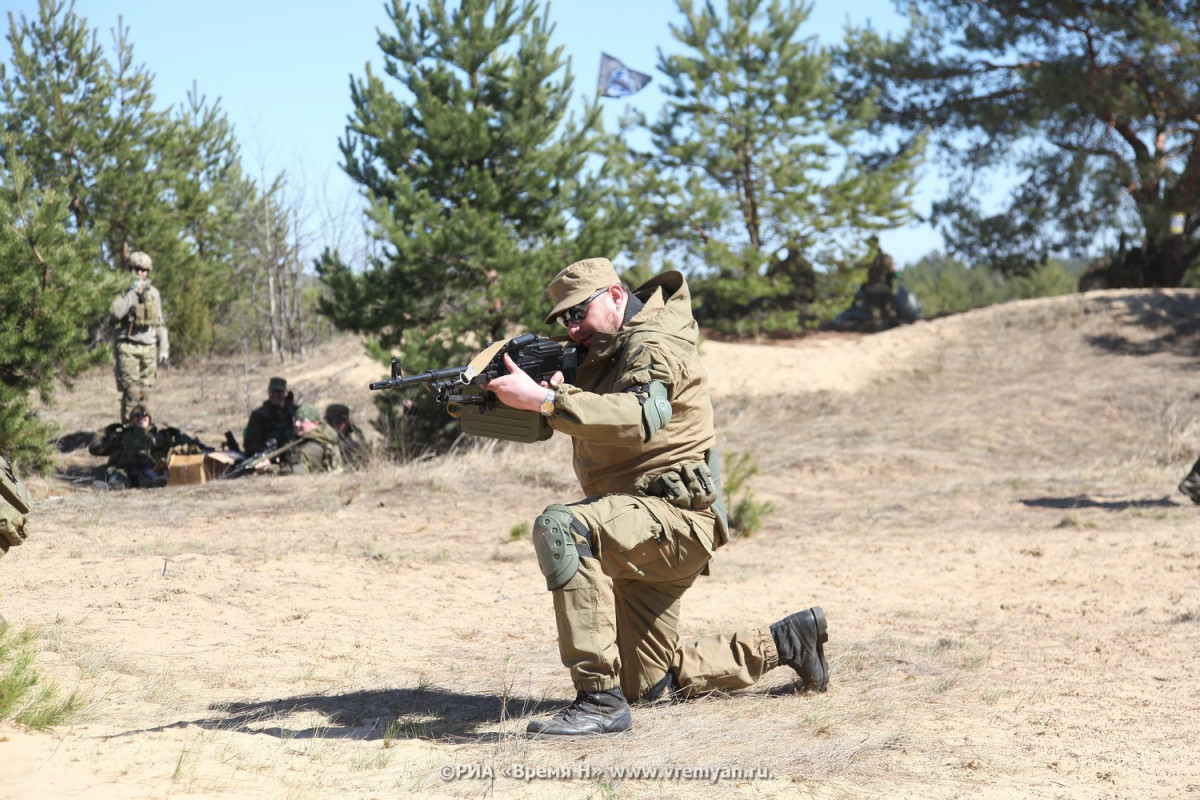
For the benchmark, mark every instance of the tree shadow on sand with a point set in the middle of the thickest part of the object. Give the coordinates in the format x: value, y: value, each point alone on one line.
x: 1174, y: 317
x: 1083, y: 501
x: 372, y: 715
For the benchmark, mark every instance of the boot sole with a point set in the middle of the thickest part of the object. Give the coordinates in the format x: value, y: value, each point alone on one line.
x: 822, y: 638
x: 590, y: 735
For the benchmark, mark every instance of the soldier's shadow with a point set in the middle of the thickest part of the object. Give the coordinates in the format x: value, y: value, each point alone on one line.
x: 371, y: 715
x: 1083, y: 501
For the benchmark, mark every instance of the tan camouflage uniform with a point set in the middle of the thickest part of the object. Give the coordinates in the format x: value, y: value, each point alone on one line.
x: 617, y: 617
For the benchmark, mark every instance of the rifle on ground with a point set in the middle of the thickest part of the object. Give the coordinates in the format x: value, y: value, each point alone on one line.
x: 478, y: 411
x: 249, y: 463
x: 178, y: 437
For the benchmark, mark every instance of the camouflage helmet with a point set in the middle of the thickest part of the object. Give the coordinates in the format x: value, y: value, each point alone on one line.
x: 139, y: 260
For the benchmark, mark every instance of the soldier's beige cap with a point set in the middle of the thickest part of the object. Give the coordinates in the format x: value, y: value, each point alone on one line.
x: 578, y: 282
x: 139, y: 260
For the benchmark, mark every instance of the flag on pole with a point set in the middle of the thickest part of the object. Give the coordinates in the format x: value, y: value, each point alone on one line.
x: 618, y: 80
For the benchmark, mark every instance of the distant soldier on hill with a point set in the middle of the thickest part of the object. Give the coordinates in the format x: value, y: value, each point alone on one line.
x: 141, y: 340
x: 270, y: 425
x: 880, y: 285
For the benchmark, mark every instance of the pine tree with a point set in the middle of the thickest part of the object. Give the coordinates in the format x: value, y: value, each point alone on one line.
x: 50, y: 284
x: 1088, y: 111
x: 475, y: 176
x: 759, y: 176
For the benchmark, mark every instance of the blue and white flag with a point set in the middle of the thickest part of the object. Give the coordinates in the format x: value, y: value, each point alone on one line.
x: 618, y: 80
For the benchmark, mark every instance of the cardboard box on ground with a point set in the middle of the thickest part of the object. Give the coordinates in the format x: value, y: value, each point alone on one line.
x: 184, y: 470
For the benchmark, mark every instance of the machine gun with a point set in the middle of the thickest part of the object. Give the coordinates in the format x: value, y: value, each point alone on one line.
x: 478, y: 411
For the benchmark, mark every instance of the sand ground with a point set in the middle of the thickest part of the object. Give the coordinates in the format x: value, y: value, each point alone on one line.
x: 984, y: 505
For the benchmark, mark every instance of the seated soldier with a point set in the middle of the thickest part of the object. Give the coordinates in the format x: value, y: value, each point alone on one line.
x: 314, y: 448
x: 136, y: 452
x: 350, y: 439
x: 270, y: 425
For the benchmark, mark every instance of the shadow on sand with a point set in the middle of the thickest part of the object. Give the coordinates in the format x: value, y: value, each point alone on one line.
x: 423, y: 713
x: 1083, y: 501
x: 1173, y: 316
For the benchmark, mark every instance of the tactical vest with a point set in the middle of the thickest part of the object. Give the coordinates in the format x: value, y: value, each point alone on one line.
x: 137, y: 448
x: 145, y: 311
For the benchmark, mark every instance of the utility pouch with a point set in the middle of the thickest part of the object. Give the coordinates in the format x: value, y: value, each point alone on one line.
x: 15, y: 503
x: 690, y: 486
x: 702, y: 489
x: 145, y: 312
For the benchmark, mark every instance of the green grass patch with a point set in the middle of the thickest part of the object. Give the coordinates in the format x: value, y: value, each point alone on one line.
x: 25, y: 697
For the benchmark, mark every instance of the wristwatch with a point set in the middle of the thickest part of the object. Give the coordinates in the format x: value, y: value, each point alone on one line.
x: 547, y: 406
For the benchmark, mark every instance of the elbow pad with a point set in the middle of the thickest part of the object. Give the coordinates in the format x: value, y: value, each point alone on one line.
x: 656, y: 407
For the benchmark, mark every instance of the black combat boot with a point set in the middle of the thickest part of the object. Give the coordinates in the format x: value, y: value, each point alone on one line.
x: 799, y: 639
x: 592, y: 714
x: 1191, y: 486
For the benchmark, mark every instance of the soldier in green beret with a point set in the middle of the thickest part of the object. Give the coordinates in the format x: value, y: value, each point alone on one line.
x: 314, y: 448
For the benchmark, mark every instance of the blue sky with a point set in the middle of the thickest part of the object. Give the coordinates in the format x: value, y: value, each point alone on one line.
x: 282, y: 69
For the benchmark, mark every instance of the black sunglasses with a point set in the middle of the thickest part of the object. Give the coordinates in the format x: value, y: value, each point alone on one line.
x: 577, y: 312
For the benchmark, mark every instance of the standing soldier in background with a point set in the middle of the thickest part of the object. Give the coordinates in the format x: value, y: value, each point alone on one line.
x: 141, y: 336
x: 880, y: 286
x: 350, y: 439
x: 270, y: 425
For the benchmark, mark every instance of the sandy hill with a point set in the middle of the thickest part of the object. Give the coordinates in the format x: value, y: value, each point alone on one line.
x: 984, y: 505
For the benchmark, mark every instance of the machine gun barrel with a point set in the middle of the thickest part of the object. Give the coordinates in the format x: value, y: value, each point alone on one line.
x: 448, y: 375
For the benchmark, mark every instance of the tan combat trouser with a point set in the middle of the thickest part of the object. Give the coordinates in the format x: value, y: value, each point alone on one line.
x: 618, y: 616
x: 135, y: 366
